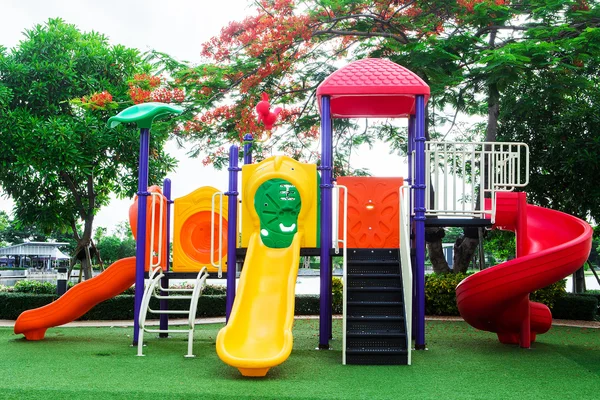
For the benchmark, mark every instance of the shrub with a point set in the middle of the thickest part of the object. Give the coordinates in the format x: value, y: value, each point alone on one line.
x: 307, y: 304
x: 440, y: 293
x: 214, y: 290
x: 37, y: 287
x: 121, y: 307
x: 576, y: 306
x: 337, y: 295
x: 550, y: 294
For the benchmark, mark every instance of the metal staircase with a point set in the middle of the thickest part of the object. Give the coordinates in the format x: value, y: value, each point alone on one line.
x: 375, y: 323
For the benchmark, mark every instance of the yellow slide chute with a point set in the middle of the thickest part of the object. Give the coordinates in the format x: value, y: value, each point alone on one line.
x: 258, y: 335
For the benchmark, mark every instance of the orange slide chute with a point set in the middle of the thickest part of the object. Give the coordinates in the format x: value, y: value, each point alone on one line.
x: 78, y: 300
x: 551, y: 245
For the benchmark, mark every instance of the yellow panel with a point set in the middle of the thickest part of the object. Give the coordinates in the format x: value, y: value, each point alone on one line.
x: 191, y: 237
x: 258, y: 335
x: 299, y: 175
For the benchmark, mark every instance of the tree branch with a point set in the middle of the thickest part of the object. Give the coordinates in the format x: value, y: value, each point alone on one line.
x: 400, y: 38
x: 498, y: 27
x: 73, y: 188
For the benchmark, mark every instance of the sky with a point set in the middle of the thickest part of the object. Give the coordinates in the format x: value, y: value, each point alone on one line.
x: 178, y: 28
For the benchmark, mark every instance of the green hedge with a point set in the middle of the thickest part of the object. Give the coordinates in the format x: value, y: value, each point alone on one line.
x: 440, y: 293
x: 576, y: 306
x: 121, y: 307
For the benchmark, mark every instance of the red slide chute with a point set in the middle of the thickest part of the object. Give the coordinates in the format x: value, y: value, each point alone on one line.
x: 550, y: 246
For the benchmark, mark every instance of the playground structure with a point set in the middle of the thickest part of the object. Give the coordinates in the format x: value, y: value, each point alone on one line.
x: 377, y: 225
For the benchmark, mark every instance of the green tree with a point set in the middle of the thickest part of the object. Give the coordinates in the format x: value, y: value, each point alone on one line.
x: 468, y: 51
x: 58, y: 159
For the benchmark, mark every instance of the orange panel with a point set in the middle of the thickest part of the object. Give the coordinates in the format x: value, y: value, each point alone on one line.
x: 373, y: 218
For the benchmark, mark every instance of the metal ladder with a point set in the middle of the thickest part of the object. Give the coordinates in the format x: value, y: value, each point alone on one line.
x: 153, y: 289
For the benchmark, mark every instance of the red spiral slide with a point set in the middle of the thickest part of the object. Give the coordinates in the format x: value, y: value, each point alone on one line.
x: 550, y: 246
x: 78, y: 300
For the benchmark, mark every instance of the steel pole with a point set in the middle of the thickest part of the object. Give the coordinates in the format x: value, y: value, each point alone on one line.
x: 232, y: 228
x: 326, y: 223
x: 140, y: 249
x: 419, y: 220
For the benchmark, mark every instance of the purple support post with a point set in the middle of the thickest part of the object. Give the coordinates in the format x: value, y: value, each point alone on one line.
x: 164, y: 303
x: 326, y: 228
x: 232, y: 228
x: 419, y: 221
x: 248, y: 139
x: 410, y: 180
x: 140, y: 247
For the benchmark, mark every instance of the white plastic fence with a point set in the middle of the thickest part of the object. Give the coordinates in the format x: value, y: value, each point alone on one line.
x: 463, y: 174
x: 405, y: 263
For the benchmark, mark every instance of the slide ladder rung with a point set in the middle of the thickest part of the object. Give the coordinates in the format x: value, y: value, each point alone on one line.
x: 166, y: 330
x: 169, y: 311
x: 173, y: 297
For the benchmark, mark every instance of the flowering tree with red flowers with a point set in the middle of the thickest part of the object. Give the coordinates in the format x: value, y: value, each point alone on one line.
x: 59, y: 160
x: 468, y: 51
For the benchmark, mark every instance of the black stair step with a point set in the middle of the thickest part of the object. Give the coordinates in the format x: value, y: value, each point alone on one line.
x: 373, y: 275
x: 375, y: 289
x: 352, y: 261
x: 374, y: 318
x: 375, y: 295
x: 375, y: 333
x: 374, y: 283
x: 378, y: 350
x: 376, y: 325
x: 376, y: 342
x: 383, y: 334
x: 374, y: 303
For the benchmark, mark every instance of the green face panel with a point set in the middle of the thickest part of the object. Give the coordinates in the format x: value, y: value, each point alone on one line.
x: 277, y: 203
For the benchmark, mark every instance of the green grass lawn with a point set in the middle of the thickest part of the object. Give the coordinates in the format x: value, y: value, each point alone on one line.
x: 461, y: 363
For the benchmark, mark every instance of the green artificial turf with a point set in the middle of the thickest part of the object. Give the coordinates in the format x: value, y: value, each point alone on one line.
x: 461, y: 363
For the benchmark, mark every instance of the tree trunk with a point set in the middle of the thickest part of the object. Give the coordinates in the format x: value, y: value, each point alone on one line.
x: 435, y: 250
x: 465, y: 246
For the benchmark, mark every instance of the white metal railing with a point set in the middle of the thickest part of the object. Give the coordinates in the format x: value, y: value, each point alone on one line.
x: 463, y: 174
x: 153, y: 289
x: 218, y: 264
x: 336, y: 243
x: 405, y: 263
x: 161, y: 231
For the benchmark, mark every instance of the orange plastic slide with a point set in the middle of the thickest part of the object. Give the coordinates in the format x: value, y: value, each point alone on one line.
x: 258, y: 335
x: 78, y: 300
x: 550, y: 246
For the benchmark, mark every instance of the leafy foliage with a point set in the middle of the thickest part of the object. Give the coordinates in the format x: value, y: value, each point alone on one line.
x: 37, y: 287
x: 557, y: 113
x: 440, y: 293
x: 550, y: 294
x: 59, y: 161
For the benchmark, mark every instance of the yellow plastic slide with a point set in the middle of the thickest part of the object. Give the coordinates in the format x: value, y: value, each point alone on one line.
x: 279, y: 200
x: 259, y: 332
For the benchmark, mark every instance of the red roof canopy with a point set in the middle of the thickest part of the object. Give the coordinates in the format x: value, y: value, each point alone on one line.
x: 372, y: 88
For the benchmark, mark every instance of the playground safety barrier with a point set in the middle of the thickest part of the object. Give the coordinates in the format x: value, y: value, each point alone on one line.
x: 459, y: 176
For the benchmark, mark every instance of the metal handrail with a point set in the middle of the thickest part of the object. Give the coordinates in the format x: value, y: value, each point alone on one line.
x: 212, y: 231
x: 405, y: 262
x: 161, y: 232
x: 337, y: 242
